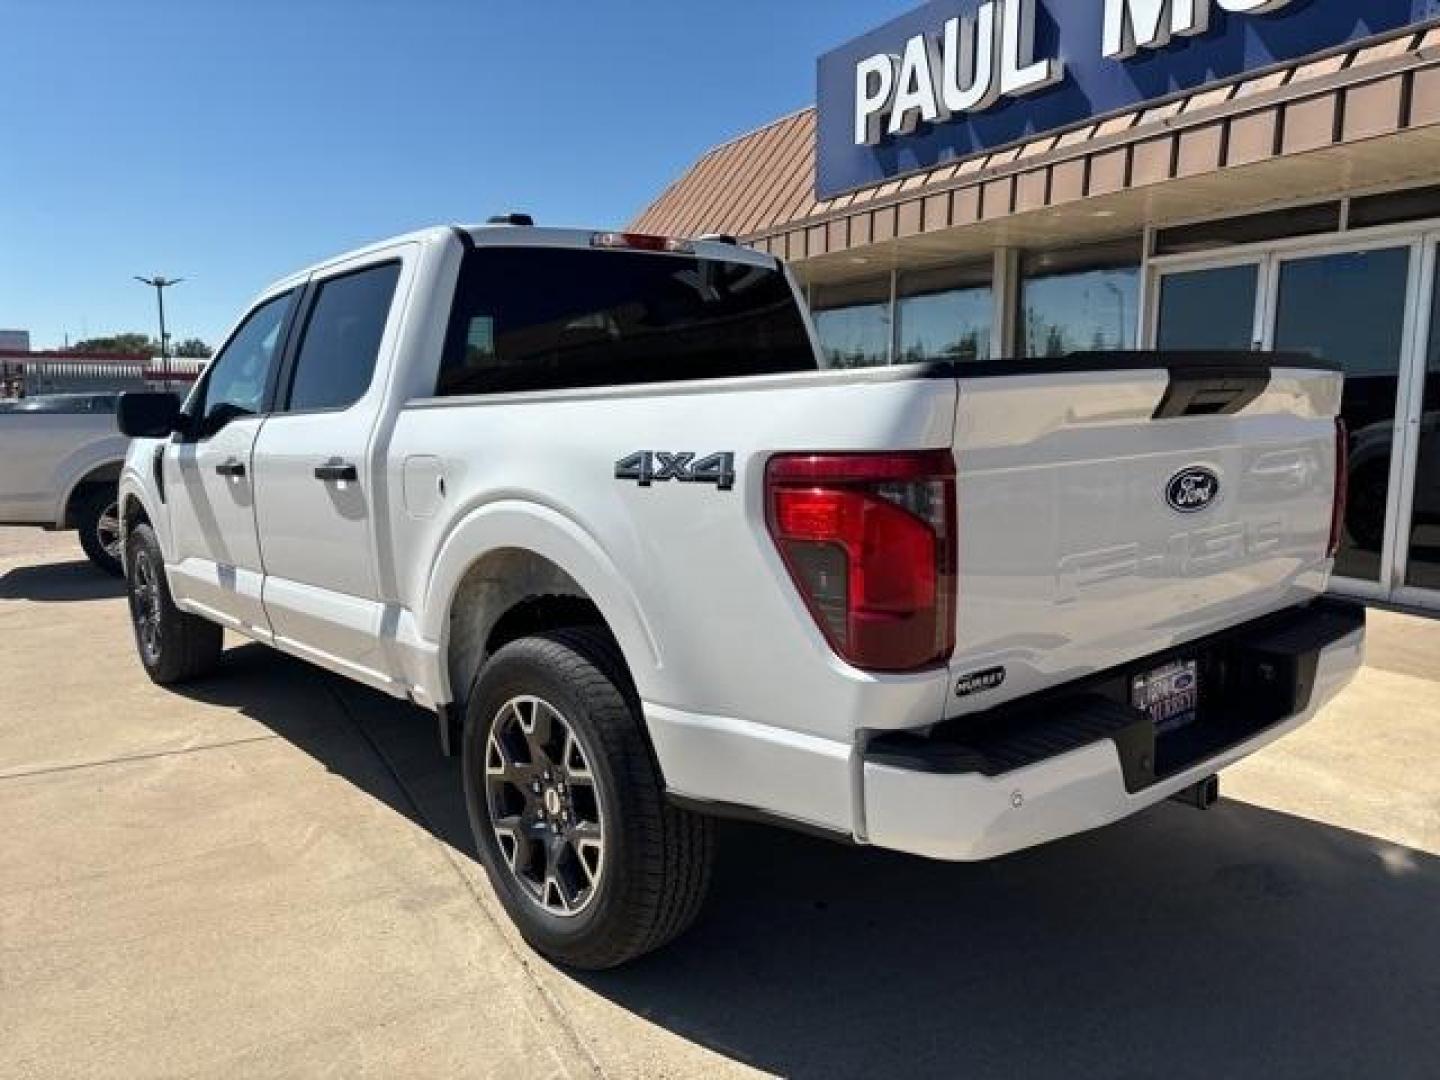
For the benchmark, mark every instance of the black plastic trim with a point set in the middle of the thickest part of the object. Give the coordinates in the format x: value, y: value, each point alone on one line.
x: 1236, y: 364
x: 463, y: 235
x: 450, y: 726
x: 285, y: 369
x: 1260, y: 673
x: 157, y: 470
x: 299, y: 297
x: 749, y: 814
x: 1204, y: 391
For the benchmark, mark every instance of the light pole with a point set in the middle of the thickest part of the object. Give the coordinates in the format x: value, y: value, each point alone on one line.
x: 160, y: 283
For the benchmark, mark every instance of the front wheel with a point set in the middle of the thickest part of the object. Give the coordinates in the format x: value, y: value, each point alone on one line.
x: 566, y: 803
x: 174, y: 647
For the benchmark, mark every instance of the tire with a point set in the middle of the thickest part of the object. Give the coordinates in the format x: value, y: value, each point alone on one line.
x: 174, y: 647
x: 98, y: 519
x: 1365, y: 508
x: 640, y: 880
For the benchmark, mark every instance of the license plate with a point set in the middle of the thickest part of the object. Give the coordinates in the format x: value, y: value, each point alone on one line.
x: 1169, y: 695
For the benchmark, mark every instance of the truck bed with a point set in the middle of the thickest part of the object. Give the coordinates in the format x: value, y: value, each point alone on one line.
x: 1070, y: 561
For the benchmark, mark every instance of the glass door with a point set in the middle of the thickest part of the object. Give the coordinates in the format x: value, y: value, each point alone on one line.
x: 1358, y: 306
x: 1421, y: 535
x: 1350, y: 307
x: 1212, y: 307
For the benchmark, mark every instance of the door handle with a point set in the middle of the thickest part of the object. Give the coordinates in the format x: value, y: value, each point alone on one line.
x: 230, y: 468
x: 336, y: 473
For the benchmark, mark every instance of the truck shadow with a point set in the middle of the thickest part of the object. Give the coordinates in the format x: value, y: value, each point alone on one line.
x: 63, y: 582
x: 1236, y: 942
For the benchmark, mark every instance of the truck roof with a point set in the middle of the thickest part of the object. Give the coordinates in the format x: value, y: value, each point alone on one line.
x: 497, y: 235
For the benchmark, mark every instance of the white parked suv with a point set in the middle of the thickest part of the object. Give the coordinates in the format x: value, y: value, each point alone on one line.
x: 60, y: 458
x: 594, y: 500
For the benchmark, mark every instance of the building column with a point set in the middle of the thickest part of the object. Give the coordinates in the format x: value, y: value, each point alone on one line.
x: 1005, y: 288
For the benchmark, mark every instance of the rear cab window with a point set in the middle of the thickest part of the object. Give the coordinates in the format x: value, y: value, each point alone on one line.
x: 528, y: 319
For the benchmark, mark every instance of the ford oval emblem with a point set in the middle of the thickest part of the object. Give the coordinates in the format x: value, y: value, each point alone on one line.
x: 1192, y: 490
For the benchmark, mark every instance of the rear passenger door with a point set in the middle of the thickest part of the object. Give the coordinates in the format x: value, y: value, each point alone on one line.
x: 316, y: 469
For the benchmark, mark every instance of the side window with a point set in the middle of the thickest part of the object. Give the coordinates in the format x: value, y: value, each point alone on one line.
x: 342, y: 336
x: 235, y: 384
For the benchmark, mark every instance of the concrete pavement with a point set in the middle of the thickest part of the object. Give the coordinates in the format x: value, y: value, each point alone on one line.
x: 271, y: 874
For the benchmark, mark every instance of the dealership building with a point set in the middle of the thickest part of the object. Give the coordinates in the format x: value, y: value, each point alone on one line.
x: 992, y: 179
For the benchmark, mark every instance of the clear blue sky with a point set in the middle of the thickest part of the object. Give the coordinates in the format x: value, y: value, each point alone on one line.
x: 232, y: 142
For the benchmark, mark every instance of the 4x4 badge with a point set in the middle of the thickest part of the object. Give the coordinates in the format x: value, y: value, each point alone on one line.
x: 647, y: 467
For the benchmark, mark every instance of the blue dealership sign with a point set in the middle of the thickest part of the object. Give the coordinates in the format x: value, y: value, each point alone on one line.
x: 957, y: 77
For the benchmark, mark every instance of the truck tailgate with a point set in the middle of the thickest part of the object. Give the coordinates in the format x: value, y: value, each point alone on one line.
x: 1107, y: 515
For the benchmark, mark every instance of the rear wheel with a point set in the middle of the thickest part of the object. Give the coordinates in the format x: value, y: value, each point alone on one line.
x: 98, y: 519
x: 174, y: 647
x: 566, y: 803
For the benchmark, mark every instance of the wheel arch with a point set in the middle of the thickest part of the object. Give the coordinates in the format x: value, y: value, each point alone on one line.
x: 133, y: 511
x: 510, y: 568
x: 107, y: 472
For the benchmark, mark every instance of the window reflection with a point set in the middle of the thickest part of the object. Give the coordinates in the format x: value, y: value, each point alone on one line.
x: 944, y: 314
x: 853, y: 323
x: 1080, y: 301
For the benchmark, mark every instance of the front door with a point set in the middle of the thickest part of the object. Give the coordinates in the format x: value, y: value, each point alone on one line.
x: 315, y: 475
x: 214, y: 559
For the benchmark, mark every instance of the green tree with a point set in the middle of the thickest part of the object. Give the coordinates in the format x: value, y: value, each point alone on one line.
x: 193, y: 348
x: 133, y: 344
x: 128, y: 344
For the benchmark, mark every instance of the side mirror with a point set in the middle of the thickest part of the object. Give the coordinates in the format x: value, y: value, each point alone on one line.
x: 148, y: 414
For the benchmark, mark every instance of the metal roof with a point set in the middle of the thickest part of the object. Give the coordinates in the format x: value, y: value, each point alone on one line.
x: 761, y: 186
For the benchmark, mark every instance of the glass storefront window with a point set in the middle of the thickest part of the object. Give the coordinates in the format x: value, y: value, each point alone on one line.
x: 853, y: 323
x: 944, y: 315
x: 1424, y: 566
x: 1209, y: 309
x: 1080, y: 301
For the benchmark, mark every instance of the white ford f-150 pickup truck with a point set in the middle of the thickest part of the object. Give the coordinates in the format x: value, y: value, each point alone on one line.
x: 60, y: 458
x: 594, y: 500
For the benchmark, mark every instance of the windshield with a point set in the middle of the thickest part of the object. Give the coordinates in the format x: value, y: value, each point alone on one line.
x: 552, y: 318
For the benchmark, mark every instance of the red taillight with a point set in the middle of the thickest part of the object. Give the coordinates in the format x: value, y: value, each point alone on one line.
x: 641, y: 242
x: 1342, y: 485
x: 869, y: 540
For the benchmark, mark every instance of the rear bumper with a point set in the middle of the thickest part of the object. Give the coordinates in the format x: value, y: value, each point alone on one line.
x: 1044, y: 770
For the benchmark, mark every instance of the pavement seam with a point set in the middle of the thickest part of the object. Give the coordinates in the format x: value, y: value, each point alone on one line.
x: 124, y: 760
x: 552, y: 1003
